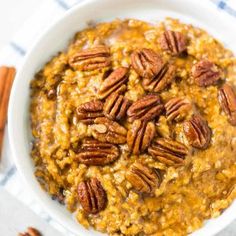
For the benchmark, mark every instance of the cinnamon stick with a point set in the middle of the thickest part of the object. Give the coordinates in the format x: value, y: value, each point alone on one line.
x: 7, y: 75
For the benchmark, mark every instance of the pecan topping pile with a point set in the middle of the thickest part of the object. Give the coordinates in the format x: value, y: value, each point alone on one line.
x: 116, y: 123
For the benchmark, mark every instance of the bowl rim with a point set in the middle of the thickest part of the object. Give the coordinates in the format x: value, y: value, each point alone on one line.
x: 217, y: 226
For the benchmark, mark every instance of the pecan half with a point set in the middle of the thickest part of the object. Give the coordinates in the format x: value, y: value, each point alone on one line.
x: 177, y: 109
x: 94, y: 152
x: 197, y: 132
x: 173, y: 42
x: 115, y: 82
x: 140, y: 136
x: 115, y: 106
x: 146, y: 108
x: 227, y: 100
x: 205, y: 73
x: 91, y: 58
x: 161, y: 80
x: 92, y: 196
x: 109, y: 131
x: 143, y: 178
x: 89, y: 111
x: 168, y: 151
x: 146, y: 62
x: 30, y: 232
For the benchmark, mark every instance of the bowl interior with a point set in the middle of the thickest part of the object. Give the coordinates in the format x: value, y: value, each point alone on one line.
x: 56, y: 38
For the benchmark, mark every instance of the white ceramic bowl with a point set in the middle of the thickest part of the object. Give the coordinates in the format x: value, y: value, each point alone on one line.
x: 56, y: 38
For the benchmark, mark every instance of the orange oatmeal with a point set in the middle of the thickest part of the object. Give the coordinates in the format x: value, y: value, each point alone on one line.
x: 134, y: 127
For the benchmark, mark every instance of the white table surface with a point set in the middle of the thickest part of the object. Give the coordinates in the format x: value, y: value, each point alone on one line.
x: 13, y: 13
x: 15, y: 217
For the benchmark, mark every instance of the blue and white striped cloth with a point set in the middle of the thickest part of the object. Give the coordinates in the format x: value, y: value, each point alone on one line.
x: 227, y: 6
x: 13, y: 54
